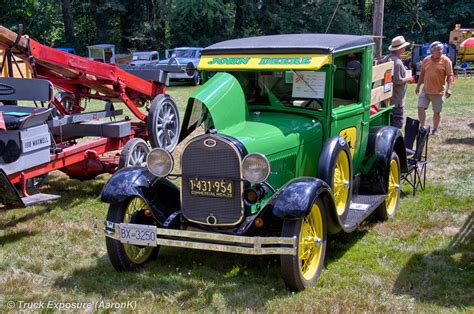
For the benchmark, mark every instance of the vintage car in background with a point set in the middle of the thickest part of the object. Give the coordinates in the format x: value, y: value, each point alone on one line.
x: 140, y: 58
x: 184, y: 56
x: 104, y: 53
x: 291, y: 152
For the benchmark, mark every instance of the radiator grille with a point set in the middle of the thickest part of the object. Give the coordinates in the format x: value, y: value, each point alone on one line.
x: 211, y: 157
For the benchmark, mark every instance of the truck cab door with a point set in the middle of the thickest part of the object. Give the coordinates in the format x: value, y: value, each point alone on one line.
x: 347, y: 120
x: 349, y: 112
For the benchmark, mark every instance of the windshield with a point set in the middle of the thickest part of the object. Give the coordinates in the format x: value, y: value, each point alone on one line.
x: 303, y: 89
x: 141, y: 57
x: 180, y: 53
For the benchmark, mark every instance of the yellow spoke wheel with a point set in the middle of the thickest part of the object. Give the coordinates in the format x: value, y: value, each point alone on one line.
x: 341, y: 182
x: 393, y: 187
x: 135, y: 253
x: 389, y: 207
x: 303, y: 269
x: 310, y: 243
x: 129, y: 256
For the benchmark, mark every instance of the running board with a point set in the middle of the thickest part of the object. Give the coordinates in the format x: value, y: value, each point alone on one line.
x: 361, y: 208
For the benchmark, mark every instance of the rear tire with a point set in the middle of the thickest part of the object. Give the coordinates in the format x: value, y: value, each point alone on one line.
x: 126, y: 257
x: 302, y: 270
x: 388, y: 209
x: 335, y: 168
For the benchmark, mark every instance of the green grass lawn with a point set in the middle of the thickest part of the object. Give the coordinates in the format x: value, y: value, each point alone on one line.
x: 422, y: 261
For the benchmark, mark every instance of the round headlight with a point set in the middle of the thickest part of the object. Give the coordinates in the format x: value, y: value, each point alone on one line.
x: 255, y: 168
x: 160, y: 162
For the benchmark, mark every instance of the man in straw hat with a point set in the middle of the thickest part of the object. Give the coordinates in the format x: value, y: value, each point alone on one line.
x: 436, y: 70
x: 400, y: 79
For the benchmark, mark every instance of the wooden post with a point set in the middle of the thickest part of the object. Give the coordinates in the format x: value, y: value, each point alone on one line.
x: 378, y: 28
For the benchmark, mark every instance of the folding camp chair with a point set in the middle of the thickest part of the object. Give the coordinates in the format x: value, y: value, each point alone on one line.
x: 417, y: 158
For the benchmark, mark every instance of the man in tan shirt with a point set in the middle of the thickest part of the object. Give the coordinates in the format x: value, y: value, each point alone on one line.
x: 400, y: 79
x: 436, y: 70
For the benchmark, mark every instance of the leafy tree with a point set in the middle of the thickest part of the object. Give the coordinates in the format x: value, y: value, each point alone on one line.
x: 423, y: 21
x: 200, y: 22
x: 158, y: 24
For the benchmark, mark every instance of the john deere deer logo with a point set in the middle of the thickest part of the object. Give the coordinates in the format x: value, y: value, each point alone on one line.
x: 350, y: 135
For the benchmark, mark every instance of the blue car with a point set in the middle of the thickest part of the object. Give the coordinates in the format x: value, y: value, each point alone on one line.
x: 68, y: 50
x: 184, y: 56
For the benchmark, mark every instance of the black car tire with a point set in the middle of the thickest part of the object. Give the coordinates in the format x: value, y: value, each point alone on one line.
x: 388, y: 209
x: 334, y: 149
x: 196, y: 80
x: 291, y: 265
x: 117, y: 250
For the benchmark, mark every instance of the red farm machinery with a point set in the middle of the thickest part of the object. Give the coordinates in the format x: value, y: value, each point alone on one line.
x: 44, y: 124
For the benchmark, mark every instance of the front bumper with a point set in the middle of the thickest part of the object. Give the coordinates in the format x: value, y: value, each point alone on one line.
x: 212, y: 241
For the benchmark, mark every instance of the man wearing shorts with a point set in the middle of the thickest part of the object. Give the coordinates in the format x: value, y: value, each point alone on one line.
x: 436, y: 70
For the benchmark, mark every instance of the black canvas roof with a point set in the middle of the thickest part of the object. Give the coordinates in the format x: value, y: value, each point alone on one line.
x: 291, y: 43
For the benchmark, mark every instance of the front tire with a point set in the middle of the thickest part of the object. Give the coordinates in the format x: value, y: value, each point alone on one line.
x: 388, y: 209
x: 125, y: 257
x: 196, y: 80
x: 302, y: 270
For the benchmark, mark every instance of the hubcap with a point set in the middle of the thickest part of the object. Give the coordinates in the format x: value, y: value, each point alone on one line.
x: 136, y: 254
x: 341, y: 182
x: 393, y: 187
x: 310, y: 243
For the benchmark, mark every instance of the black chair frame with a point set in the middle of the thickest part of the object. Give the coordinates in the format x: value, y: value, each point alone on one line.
x: 417, y: 159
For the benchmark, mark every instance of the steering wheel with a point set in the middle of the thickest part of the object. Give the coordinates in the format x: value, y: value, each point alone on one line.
x: 317, y: 100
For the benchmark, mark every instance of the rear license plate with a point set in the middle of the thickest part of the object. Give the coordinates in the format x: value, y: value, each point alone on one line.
x: 211, y: 188
x: 138, y: 234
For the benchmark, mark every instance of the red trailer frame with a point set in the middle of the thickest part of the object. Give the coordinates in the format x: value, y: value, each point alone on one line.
x: 87, y: 79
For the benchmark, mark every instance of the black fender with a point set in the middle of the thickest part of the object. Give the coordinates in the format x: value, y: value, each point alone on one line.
x: 381, y: 143
x: 162, y: 196
x: 295, y: 198
x: 327, y: 159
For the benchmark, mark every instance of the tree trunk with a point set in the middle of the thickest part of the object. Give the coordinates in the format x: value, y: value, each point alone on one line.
x: 68, y: 21
x: 378, y: 28
x: 362, y: 10
x: 239, y: 18
x: 100, y: 21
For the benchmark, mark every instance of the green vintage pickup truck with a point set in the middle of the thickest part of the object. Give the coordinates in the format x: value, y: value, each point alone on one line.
x: 292, y: 150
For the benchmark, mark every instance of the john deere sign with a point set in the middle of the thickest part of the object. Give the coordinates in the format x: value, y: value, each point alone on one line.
x: 264, y: 62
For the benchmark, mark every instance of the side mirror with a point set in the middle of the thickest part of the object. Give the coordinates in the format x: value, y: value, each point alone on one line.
x: 353, y: 69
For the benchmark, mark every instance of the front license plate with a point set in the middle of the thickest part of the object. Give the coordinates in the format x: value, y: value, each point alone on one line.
x: 211, y: 188
x: 138, y: 234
